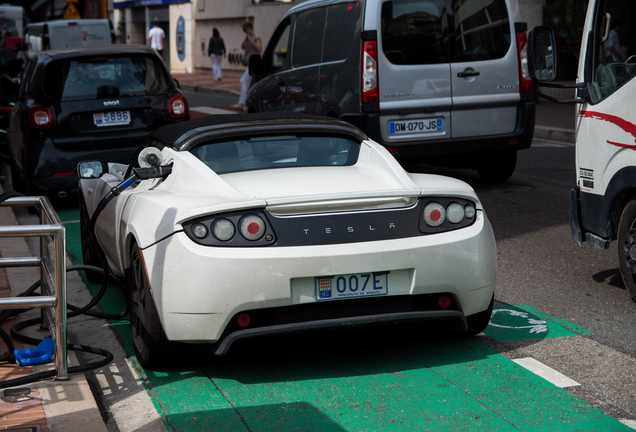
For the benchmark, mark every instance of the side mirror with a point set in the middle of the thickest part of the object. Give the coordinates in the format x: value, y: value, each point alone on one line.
x: 542, y: 57
x: 255, y: 65
x: 91, y: 169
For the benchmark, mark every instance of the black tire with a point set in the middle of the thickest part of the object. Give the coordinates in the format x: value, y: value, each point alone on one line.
x: 90, y: 255
x: 478, y: 322
x: 627, y: 247
x: 151, y: 345
x: 497, y: 167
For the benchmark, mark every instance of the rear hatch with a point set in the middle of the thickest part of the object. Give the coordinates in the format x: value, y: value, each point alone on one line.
x: 447, y: 69
x: 109, y: 101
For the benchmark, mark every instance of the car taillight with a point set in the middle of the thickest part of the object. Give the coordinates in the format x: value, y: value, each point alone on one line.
x: 178, y: 107
x: 370, y: 91
x: 435, y: 214
x: 40, y: 117
x: 252, y: 227
x: 525, y: 83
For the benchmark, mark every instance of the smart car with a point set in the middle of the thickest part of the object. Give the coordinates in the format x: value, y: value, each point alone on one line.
x: 264, y: 224
x: 86, y: 103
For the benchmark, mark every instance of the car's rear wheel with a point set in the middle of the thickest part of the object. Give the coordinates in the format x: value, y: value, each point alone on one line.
x: 90, y: 255
x: 150, y: 343
x: 498, y: 166
x: 627, y: 247
x: 478, y: 322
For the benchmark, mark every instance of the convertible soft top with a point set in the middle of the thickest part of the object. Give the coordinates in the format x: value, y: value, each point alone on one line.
x: 182, y: 136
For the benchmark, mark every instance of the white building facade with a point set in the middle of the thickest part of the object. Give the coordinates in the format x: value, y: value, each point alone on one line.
x: 188, y: 26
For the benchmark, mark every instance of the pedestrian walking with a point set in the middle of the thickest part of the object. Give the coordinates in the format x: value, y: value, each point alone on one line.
x: 216, y: 51
x: 251, y: 45
x: 156, y: 37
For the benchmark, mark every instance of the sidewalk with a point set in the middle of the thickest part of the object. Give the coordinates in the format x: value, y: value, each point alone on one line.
x: 49, y: 405
x: 69, y: 405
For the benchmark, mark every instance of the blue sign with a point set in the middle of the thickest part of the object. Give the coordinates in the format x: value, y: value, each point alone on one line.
x: 142, y: 3
x: 181, y: 38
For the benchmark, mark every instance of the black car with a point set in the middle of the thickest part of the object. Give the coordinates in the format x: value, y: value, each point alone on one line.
x: 94, y: 103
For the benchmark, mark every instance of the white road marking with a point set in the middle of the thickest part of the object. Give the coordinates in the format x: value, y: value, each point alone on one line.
x: 629, y: 423
x: 545, y: 372
x: 211, y: 110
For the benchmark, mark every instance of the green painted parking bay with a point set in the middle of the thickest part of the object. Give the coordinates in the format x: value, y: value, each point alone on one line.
x: 427, y: 385
x: 367, y: 380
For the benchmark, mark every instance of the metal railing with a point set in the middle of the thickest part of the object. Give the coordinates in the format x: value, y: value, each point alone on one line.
x: 52, y: 264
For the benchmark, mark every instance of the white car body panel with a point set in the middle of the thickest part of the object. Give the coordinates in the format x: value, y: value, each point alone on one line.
x: 197, y: 289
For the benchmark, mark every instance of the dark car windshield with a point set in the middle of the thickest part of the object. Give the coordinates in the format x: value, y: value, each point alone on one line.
x: 259, y: 153
x: 104, y: 77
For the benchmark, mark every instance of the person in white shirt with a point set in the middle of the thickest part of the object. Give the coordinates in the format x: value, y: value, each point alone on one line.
x: 156, y: 37
x: 613, y: 43
x: 251, y: 45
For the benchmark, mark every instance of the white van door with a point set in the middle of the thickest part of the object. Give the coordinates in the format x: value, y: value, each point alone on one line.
x: 484, y: 69
x: 606, y: 126
x: 73, y: 33
x: 414, y: 69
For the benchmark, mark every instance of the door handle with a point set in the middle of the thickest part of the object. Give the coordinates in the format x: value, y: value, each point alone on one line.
x: 468, y: 73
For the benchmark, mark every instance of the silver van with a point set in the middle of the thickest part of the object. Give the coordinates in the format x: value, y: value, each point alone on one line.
x: 442, y: 81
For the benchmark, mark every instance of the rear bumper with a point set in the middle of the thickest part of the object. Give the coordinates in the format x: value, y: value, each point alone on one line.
x: 520, y: 138
x: 453, y: 320
x: 55, y: 168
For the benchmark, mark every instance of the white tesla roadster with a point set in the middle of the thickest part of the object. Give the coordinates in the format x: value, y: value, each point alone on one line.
x: 238, y: 226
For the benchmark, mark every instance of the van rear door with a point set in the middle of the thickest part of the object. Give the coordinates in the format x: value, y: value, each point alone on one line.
x: 484, y: 69
x: 414, y: 70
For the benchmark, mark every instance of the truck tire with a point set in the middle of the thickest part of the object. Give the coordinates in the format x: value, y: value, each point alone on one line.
x: 627, y: 247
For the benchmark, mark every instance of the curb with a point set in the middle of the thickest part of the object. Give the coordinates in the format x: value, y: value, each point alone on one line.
x: 555, y: 134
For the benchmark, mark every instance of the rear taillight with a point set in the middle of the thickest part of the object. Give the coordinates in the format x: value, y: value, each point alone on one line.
x: 178, y: 107
x: 370, y: 91
x: 40, y: 117
x: 525, y: 84
x: 456, y: 213
x: 252, y: 227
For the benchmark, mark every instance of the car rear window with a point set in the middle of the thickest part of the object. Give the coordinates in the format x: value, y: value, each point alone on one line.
x: 258, y: 153
x: 104, y: 78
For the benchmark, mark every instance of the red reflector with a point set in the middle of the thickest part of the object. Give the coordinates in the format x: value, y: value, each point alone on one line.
x: 63, y: 173
x: 444, y: 302
x: 392, y: 150
x: 243, y: 320
x: 435, y: 215
x: 253, y: 228
x: 513, y: 140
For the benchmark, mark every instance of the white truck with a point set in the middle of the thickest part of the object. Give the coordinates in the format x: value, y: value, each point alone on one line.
x: 603, y: 205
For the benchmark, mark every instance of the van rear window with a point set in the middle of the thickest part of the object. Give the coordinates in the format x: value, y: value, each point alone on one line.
x: 105, y: 77
x: 413, y: 32
x: 417, y: 32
